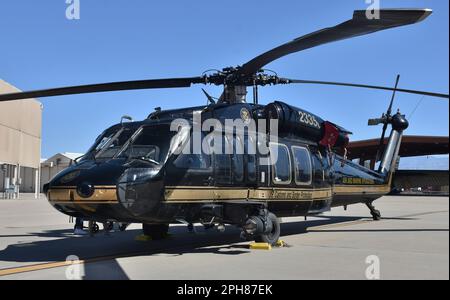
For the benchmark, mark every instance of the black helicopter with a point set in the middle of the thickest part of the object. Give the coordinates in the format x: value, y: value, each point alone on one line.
x: 139, y: 172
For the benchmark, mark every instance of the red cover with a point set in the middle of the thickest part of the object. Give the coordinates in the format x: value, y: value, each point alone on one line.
x: 330, y: 136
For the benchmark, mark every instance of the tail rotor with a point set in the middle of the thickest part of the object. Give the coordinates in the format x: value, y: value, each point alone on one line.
x: 385, y: 120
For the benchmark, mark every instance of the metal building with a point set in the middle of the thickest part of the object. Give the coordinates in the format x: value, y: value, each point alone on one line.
x: 20, y: 145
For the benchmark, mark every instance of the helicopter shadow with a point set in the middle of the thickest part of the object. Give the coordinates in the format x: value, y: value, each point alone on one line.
x: 103, y: 250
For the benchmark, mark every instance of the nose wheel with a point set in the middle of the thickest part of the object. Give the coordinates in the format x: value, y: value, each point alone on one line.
x: 376, y: 214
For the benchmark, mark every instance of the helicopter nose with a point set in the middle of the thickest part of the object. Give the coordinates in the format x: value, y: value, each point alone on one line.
x: 85, y: 184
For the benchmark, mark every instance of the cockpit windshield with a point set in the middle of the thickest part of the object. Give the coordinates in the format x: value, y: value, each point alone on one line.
x: 112, y: 142
x: 149, y: 143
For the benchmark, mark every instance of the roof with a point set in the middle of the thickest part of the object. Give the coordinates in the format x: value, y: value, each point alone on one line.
x: 411, y: 146
x: 72, y: 155
x: 67, y: 155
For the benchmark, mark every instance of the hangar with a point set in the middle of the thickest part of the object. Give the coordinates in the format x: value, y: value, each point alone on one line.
x: 20, y: 145
x: 365, y: 152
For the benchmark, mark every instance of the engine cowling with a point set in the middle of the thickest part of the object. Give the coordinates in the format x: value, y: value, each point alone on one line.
x: 303, y: 124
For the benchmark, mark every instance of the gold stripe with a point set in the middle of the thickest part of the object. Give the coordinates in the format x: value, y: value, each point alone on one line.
x: 202, y: 194
x: 348, y: 190
x: 290, y: 194
x: 233, y: 188
x: 205, y: 194
x: 84, y: 202
x: 74, y: 187
x: 69, y: 195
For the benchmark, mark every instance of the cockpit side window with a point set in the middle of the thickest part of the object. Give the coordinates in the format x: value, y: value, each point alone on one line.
x: 149, y: 144
x: 189, y: 160
x: 192, y: 161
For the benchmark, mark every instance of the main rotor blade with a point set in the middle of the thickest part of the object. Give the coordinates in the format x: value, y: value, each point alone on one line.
x: 374, y: 87
x: 106, y: 87
x: 359, y: 25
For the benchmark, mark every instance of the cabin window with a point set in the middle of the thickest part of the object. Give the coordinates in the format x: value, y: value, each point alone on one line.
x: 303, y: 166
x: 281, y: 164
x: 223, y: 163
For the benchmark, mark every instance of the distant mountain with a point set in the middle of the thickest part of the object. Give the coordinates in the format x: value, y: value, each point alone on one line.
x: 439, y: 162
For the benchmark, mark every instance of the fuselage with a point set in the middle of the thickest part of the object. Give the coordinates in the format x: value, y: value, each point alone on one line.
x: 139, y: 178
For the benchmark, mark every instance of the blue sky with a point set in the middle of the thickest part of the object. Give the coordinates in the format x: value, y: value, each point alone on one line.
x: 127, y: 40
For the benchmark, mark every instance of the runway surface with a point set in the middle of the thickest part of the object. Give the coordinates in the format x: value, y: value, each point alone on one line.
x: 411, y: 242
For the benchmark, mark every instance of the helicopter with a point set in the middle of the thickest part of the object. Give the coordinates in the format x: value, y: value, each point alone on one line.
x: 282, y: 161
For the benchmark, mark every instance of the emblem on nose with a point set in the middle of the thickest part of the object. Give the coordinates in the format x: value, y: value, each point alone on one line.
x: 70, y: 177
x: 85, y: 190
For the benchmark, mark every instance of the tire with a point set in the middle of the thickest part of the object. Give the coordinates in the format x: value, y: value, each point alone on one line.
x: 376, y: 215
x: 272, y: 237
x: 123, y: 226
x: 109, y: 226
x: 95, y: 228
x: 156, y: 231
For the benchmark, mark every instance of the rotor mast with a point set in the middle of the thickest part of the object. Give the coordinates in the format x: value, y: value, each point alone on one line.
x: 234, y: 94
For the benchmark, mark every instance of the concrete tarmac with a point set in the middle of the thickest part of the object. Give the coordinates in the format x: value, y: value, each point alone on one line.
x: 411, y: 242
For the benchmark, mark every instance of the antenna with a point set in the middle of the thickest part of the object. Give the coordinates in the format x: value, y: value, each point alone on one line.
x: 125, y: 117
x: 210, y: 98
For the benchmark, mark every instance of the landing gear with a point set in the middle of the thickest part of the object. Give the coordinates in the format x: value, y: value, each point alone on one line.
x: 93, y: 228
x: 156, y: 231
x: 376, y: 214
x: 264, y: 228
x: 272, y: 236
x: 108, y: 227
x: 123, y: 226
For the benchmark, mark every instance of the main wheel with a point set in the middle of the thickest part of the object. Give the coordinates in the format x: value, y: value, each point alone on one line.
x: 156, y: 231
x: 94, y: 228
x: 273, y: 236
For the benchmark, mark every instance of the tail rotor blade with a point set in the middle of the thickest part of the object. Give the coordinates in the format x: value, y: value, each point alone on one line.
x: 388, y: 115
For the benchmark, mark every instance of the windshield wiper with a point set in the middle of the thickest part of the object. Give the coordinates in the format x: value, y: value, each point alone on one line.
x: 146, y: 159
x: 108, y: 144
x: 129, y: 143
